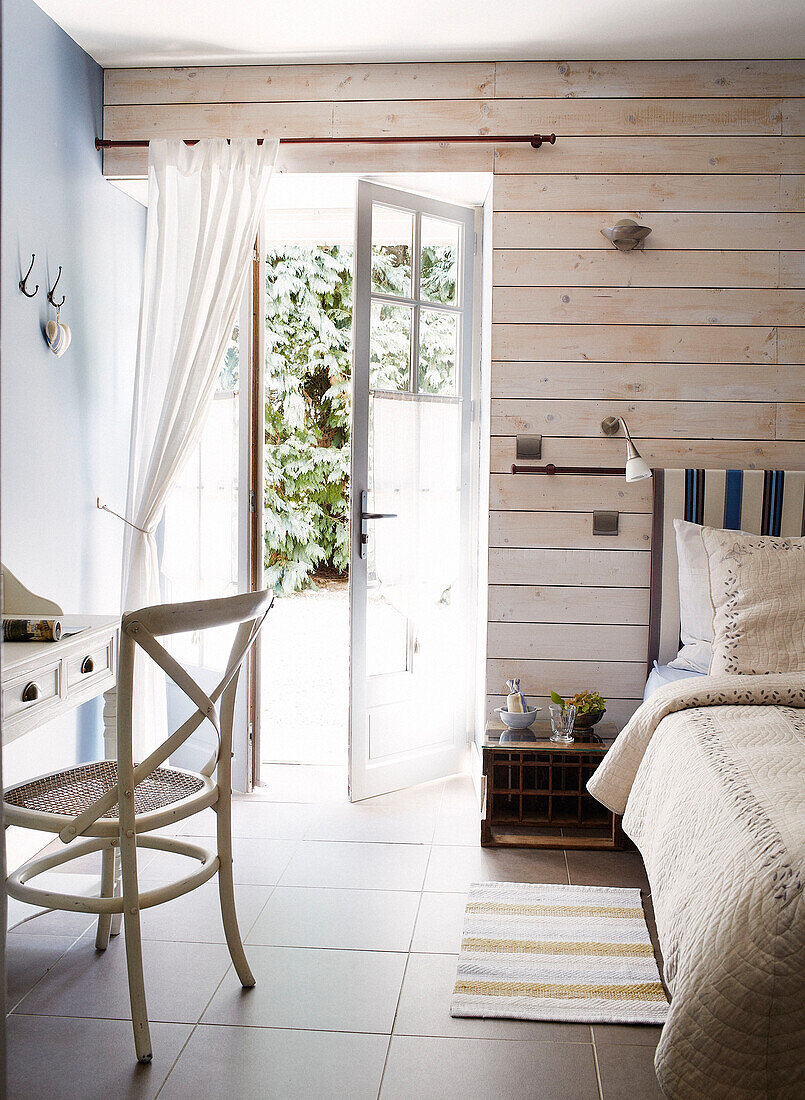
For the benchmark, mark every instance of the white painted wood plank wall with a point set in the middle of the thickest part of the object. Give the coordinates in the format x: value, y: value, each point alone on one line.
x: 698, y: 340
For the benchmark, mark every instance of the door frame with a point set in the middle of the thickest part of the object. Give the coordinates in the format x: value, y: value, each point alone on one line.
x: 254, y: 469
x: 255, y: 490
x: 470, y: 359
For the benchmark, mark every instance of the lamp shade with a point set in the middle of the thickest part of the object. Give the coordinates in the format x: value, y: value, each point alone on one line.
x: 637, y: 469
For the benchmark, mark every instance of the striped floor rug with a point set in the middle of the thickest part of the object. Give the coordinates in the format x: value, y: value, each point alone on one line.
x: 573, y: 953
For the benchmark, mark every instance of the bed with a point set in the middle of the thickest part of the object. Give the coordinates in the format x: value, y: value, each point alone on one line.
x: 660, y: 675
x: 709, y: 775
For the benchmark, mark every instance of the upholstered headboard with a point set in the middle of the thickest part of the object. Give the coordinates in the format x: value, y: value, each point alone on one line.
x: 766, y: 502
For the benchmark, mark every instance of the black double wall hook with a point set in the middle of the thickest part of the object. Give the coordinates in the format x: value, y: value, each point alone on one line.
x: 24, y: 280
x: 51, y: 299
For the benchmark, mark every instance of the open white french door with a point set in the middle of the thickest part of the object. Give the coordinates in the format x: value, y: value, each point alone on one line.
x: 410, y: 549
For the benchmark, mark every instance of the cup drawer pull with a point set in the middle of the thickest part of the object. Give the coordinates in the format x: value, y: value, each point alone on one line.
x: 87, y: 665
x: 31, y: 692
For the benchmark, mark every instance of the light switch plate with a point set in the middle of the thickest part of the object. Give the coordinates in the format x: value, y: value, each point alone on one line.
x: 605, y: 523
x: 529, y: 446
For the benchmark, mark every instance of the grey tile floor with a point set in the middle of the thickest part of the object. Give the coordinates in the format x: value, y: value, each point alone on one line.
x: 352, y: 919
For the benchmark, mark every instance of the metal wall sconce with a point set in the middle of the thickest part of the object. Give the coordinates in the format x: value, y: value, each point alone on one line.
x: 636, y: 468
x: 627, y: 235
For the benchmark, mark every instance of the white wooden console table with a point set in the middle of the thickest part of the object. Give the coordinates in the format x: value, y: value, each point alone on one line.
x: 44, y: 680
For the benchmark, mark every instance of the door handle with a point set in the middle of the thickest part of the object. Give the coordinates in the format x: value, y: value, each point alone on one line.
x: 365, y: 517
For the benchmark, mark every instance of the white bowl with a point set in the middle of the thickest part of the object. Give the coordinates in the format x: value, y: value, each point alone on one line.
x: 517, y: 721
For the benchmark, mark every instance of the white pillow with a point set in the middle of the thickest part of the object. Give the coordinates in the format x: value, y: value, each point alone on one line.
x: 695, y: 609
x: 757, y: 590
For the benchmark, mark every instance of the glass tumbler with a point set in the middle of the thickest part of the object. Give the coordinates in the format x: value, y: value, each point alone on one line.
x: 562, y: 719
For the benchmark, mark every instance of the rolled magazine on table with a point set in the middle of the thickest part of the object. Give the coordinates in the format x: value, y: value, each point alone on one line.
x: 31, y: 630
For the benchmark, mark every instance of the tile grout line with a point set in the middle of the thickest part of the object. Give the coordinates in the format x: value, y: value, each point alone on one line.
x: 436, y: 817
x: 56, y: 963
x: 413, y: 926
x: 195, y: 1026
x: 399, y: 995
x: 422, y: 889
x: 175, y: 1060
x: 408, y: 953
x: 597, y: 1067
x: 322, y: 1030
x: 229, y: 968
x: 245, y: 934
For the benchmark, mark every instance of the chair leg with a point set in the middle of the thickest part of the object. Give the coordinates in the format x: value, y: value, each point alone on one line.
x: 226, y: 890
x: 107, y: 891
x: 117, y: 918
x: 134, y: 948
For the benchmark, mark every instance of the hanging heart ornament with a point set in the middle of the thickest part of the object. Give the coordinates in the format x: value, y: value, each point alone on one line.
x: 58, y: 336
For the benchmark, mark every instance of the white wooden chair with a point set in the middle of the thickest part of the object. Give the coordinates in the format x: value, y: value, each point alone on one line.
x: 117, y: 803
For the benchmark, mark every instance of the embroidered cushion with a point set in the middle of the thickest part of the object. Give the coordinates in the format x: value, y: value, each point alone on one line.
x: 757, y: 591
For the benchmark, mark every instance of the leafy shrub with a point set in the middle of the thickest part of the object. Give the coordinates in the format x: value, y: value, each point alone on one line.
x: 308, y: 377
x: 308, y: 370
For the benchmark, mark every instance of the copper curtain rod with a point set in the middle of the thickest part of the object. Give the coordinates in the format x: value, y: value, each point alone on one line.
x: 534, y: 140
x: 551, y: 469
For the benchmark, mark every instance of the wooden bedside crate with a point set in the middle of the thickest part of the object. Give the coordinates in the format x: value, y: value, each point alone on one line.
x: 536, y: 796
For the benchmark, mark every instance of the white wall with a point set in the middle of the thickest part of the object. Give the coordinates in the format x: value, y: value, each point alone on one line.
x: 65, y: 422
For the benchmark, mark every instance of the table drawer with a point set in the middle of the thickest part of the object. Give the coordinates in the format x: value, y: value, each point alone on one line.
x: 87, y: 666
x: 32, y: 692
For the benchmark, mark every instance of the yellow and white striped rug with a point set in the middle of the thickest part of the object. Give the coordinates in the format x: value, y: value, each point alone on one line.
x: 573, y: 953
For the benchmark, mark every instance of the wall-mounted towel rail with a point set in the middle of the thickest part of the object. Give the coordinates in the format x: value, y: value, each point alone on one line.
x: 611, y: 471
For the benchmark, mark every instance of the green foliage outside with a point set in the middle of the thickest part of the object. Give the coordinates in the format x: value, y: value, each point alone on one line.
x: 308, y: 374
x: 308, y: 370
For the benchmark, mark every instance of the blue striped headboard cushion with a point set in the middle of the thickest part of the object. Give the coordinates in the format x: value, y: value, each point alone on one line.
x: 765, y: 502
x: 771, y: 504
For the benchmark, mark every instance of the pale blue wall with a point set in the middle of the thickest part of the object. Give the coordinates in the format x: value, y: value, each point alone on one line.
x: 65, y: 422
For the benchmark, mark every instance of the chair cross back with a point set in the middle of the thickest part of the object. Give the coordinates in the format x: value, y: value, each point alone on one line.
x: 134, y: 628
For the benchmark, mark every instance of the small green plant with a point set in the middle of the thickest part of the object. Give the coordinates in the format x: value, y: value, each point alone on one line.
x: 585, y: 702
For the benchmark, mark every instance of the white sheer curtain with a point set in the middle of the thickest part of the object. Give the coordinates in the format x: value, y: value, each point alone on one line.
x: 204, y: 207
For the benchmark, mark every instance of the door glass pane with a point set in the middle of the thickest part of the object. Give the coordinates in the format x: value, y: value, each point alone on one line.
x: 438, y: 352
x: 415, y: 569
x: 390, y: 347
x: 439, y: 261
x: 392, y: 250
x: 386, y: 622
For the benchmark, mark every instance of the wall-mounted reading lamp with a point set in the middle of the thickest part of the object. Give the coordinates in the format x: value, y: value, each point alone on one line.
x: 636, y: 467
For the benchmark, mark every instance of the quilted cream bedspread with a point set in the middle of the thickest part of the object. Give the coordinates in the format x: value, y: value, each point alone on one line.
x: 710, y: 777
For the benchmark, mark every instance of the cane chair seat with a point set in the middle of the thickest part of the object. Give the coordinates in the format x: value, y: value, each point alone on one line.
x: 73, y: 790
